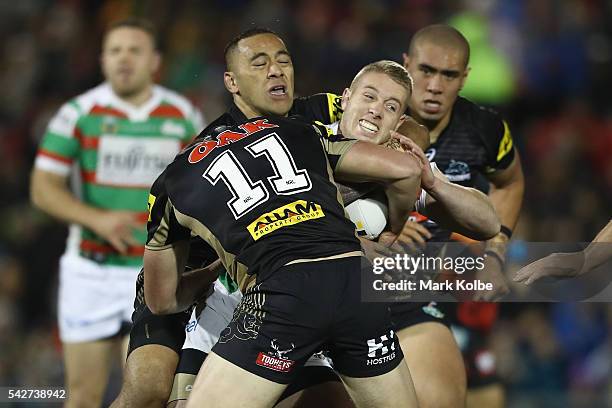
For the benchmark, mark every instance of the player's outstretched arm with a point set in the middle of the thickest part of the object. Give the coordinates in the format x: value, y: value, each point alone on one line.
x: 564, y: 265
x: 399, y: 171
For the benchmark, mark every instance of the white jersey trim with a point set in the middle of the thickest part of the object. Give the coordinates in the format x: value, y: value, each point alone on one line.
x: 51, y: 165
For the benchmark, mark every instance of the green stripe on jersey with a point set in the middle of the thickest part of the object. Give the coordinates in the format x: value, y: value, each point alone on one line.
x: 112, y: 198
x: 60, y: 145
x: 94, y: 126
x: 228, y: 282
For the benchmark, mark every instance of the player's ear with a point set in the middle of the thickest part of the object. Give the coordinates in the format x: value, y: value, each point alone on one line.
x: 346, y: 95
x: 406, y: 59
x: 400, y: 121
x: 230, y: 82
x: 156, y: 62
x: 464, y: 77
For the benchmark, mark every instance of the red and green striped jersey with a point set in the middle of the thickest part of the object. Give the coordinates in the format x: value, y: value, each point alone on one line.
x: 113, y: 152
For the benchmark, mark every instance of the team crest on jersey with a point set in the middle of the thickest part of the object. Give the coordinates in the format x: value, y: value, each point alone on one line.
x: 109, y: 125
x: 458, y: 171
x: 290, y: 214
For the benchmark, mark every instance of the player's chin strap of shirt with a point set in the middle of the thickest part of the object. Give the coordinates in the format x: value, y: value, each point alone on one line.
x: 496, y: 248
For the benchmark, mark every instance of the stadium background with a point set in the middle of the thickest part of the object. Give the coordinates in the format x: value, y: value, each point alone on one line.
x: 545, y: 64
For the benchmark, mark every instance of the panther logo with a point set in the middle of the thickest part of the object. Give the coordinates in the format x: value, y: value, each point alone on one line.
x: 244, y: 326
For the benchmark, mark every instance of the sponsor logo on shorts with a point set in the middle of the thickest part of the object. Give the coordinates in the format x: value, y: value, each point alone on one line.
x: 283, y: 365
x: 276, y: 360
x: 382, y: 349
x: 290, y: 214
x: 432, y: 310
x: 191, y: 326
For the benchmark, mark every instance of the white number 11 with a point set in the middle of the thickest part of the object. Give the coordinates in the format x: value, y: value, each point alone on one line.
x: 246, y: 194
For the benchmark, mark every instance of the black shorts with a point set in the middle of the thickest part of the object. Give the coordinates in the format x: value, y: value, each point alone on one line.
x: 407, y: 314
x: 148, y: 328
x: 306, y: 307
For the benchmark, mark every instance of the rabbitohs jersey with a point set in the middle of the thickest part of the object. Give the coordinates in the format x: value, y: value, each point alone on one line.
x: 114, y: 151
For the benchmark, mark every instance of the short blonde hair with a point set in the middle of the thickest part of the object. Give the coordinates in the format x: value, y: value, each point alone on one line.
x: 392, y: 69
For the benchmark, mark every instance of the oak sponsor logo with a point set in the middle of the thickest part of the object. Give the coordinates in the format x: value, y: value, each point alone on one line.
x: 202, y: 149
x: 276, y: 359
x: 290, y: 214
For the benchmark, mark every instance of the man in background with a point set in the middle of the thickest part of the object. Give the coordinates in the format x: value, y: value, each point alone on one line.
x: 473, y: 146
x: 112, y: 141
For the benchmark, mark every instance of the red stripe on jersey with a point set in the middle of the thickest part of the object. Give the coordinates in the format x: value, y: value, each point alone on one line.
x: 89, y: 176
x: 92, y: 246
x: 78, y: 135
x: 167, y: 111
x: 142, y: 217
x: 103, y: 110
x: 54, y: 156
x: 89, y: 142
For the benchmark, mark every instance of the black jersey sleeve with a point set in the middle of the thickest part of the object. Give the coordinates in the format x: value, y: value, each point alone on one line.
x: 497, y: 138
x: 334, y: 145
x: 163, y: 229
x: 322, y: 107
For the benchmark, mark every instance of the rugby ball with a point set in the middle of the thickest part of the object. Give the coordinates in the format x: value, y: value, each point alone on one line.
x: 369, y: 216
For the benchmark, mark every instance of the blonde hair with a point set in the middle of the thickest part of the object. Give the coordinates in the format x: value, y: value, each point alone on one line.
x: 392, y: 69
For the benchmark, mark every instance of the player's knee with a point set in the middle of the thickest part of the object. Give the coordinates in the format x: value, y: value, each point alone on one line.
x: 147, y: 377
x: 447, y: 394
x: 147, y: 391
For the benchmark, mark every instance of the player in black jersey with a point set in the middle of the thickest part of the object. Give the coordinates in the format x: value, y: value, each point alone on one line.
x: 159, y: 333
x: 473, y: 146
x: 453, y: 206
x: 293, y: 254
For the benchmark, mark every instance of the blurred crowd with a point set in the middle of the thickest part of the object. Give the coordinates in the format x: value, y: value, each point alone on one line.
x: 545, y: 64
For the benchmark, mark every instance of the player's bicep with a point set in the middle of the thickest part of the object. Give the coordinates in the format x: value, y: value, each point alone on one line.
x: 511, y: 174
